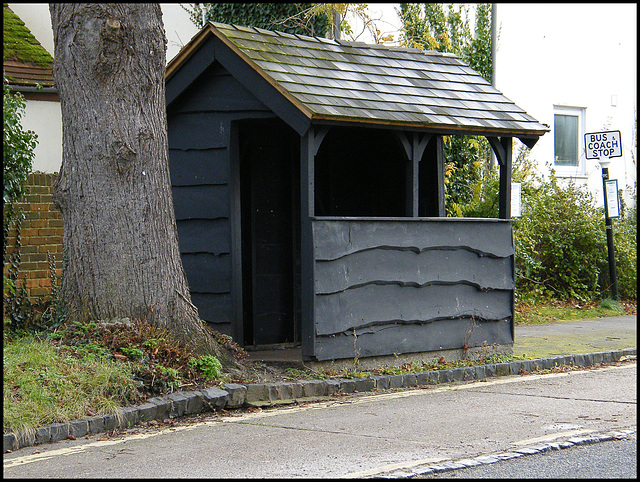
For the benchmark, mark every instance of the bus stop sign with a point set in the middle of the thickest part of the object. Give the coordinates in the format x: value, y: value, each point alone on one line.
x: 599, y: 145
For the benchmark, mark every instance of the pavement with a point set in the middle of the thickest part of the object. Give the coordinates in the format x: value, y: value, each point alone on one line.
x: 574, y: 337
x: 578, y: 343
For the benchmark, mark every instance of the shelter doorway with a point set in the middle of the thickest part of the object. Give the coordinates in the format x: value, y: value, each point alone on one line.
x: 269, y: 159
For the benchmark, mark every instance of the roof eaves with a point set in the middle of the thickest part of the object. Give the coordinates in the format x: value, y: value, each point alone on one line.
x: 440, y: 127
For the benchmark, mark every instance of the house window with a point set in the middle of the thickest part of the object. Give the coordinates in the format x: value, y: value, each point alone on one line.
x: 567, y: 130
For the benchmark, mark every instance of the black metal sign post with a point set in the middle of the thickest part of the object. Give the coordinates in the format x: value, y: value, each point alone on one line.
x: 609, y: 228
x: 603, y: 146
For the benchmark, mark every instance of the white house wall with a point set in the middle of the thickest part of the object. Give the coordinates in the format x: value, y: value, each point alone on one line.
x: 577, y: 55
x: 44, y: 118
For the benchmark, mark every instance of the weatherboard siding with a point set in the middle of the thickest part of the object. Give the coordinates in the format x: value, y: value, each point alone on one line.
x: 199, y: 159
x: 411, y: 285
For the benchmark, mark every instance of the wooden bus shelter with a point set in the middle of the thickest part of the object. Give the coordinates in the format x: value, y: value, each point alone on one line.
x: 308, y: 185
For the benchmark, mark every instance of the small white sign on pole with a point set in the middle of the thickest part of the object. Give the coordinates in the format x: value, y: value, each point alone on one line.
x: 516, y: 199
x: 613, y: 202
x: 600, y: 145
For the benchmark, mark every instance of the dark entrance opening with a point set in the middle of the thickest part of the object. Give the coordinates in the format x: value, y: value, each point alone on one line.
x: 270, y: 215
x: 360, y: 172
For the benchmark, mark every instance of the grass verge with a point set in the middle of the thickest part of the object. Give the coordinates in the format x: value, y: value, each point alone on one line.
x: 88, y: 369
x: 43, y: 386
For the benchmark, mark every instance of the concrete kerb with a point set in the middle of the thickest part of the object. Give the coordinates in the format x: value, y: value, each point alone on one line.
x: 232, y: 395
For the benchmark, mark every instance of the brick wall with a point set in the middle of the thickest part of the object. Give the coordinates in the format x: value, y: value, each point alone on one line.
x: 41, y: 232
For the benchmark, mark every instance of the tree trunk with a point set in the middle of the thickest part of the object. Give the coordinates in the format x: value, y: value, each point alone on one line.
x: 114, y: 192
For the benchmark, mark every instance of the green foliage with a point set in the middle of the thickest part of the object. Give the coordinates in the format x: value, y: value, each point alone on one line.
x: 560, y: 242
x: 17, y: 146
x: 480, y: 198
x: 134, y: 352
x: 284, y: 17
x: 625, y: 236
x: 208, y: 365
x: 477, y: 53
x: 17, y: 155
x: 169, y: 378
x: 428, y: 26
x: 466, y: 169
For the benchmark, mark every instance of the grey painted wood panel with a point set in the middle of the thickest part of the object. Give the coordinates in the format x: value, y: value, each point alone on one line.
x: 207, y: 273
x: 204, y: 236
x: 384, y: 303
x: 216, y: 90
x: 198, y: 130
x: 213, y: 307
x: 188, y: 72
x: 335, y: 238
x: 413, y: 268
x: 404, y: 285
x: 388, y: 339
x: 194, y: 167
x: 201, y: 202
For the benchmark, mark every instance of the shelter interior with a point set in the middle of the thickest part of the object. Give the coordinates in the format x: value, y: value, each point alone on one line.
x: 359, y: 172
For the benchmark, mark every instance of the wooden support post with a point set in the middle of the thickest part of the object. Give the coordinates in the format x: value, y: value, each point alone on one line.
x: 440, y: 175
x: 502, y: 148
x: 413, y: 171
x: 414, y: 150
x: 504, y: 209
x: 235, y: 221
x: 308, y: 150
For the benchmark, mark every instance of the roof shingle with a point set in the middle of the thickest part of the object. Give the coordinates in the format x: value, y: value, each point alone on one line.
x: 339, y: 80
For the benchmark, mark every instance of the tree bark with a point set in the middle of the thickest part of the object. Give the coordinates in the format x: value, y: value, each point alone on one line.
x: 120, y: 237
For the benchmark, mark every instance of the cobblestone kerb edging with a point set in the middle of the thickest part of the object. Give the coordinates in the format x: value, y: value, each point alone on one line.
x: 518, y: 452
x: 236, y: 395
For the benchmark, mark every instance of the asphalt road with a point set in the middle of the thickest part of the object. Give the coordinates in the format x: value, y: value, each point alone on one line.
x: 354, y: 436
x: 616, y: 459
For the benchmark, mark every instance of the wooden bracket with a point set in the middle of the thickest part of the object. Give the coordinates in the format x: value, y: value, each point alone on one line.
x: 319, y: 135
x: 499, y: 150
x: 415, y: 147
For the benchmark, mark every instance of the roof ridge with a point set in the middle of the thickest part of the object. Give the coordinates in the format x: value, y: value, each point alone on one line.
x: 339, y: 42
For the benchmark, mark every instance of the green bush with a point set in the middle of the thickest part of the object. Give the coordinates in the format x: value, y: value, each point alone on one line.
x: 482, y: 184
x: 284, y: 17
x: 208, y: 365
x: 20, y: 313
x: 17, y: 146
x: 561, y: 247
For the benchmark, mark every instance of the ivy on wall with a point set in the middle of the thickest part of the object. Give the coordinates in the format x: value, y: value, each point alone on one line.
x: 284, y: 17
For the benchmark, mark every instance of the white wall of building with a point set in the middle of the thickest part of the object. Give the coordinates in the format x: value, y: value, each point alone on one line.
x: 44, y: 118
x: 576, y: 55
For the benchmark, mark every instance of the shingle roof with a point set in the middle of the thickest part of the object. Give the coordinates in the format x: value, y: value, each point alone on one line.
x: 340, y: 80
x: 25, y: 61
